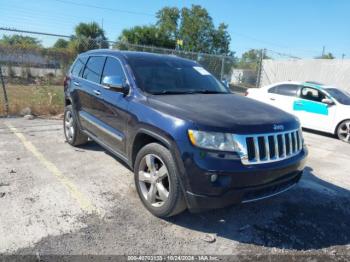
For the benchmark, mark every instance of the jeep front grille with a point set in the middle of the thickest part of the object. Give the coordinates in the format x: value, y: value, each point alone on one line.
x: 265, y: 148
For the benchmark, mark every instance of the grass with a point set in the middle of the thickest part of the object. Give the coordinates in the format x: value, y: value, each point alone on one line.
x: 41, y: 99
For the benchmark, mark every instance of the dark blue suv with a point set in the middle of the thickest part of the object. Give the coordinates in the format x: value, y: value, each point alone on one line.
x: 190, y: 141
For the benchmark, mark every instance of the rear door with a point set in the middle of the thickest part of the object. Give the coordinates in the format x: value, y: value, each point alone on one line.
x: 283, y: 96
x: 75, y: 79
x: 89, y: 95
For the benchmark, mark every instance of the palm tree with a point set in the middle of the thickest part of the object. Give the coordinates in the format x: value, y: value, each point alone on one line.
x: 89, y: 36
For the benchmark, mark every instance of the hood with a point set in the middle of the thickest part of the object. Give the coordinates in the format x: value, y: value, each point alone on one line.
x: 224, y: 112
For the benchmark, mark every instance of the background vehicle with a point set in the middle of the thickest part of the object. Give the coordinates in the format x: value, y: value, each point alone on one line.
x: 190, y: 142
x: 319, y: 107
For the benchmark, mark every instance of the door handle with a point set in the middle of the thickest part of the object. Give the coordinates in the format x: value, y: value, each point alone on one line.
x: 97, y: 92
x: 299, y: 103
x: 272, y: 98
x: 76, y: 83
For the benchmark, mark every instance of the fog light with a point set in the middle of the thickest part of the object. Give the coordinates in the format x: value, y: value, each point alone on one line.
x: 213, y: 178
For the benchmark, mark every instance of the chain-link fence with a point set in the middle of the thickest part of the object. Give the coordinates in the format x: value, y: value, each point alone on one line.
x: 33, y: 74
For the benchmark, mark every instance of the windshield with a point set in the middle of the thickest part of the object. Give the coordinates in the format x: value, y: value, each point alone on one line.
x: 341, y: 96
x: 169, y: 75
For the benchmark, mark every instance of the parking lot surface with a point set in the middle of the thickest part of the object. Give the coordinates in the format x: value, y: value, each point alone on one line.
x: 57, y: 199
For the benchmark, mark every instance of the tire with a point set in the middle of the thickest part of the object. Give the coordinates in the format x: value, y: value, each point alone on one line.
x: 343, y: 131
x: 72, y: 132
x: 155, y: 171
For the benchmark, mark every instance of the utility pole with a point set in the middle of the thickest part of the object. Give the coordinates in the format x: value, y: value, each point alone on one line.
x: 222, y: 68
x: 342, y: 56
x: 260, y: 64
x: 5, y: 93
x: 323, y: 50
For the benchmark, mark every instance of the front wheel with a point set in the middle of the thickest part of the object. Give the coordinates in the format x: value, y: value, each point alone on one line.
x: 343, y: 131
x: 157, y: 181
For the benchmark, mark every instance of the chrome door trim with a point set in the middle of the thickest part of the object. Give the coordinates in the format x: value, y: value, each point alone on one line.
x: 90, y: 119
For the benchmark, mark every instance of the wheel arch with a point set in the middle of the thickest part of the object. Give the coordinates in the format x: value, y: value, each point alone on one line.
x: 144, y: 137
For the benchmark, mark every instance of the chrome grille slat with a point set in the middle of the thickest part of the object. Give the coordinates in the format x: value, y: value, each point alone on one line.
x: 290, y: 143
x: 284, y: 145
x: 300, y: 140
x: 277, y: 153
x: 272, y: 146
x: 267, y: 147
x: 295, y: 141
x: 256, y: 148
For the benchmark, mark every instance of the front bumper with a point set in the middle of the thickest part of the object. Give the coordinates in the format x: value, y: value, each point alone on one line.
x: 236, y: 183
x: 236, y: 196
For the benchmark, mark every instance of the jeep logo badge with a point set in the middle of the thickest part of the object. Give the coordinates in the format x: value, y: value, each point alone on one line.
x: 278, y: 127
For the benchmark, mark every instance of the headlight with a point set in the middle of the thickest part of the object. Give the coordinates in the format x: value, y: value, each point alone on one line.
x: 212, y: 140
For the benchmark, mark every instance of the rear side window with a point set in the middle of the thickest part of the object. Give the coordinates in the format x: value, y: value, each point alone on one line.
x: 93, y: 69
x: 285, y: 90
x: 78, y: 66
x: 113, y: 68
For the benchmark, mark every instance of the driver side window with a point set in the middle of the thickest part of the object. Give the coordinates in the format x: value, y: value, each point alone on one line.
x: 113, y: 68
x: 312, y: 94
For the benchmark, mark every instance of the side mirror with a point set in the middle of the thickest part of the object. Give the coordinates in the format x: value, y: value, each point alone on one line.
x: 225, y: 82
x: 116, y: 83
x: 327, y: 101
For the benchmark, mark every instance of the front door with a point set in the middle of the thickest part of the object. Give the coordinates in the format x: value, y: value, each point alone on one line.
x: 114, y: 113
x: 312, y: 112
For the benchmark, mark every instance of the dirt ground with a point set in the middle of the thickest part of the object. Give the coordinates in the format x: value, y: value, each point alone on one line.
x: 57, y: 199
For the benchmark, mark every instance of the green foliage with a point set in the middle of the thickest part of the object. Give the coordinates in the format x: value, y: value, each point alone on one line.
x: 326, y: 56
x: 194, y: 26
x: 61, y: 43
x: 221, y: 40
x: 20, y: 41
x: 251, y: 58
x: 88, y: 36
x: 146, y: 35
x: 167, y: 21
x: 89, y: 30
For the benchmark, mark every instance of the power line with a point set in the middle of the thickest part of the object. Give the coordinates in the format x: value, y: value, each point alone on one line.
x: 31, y: 32
x: 104, y: 8
x: 271, y: 43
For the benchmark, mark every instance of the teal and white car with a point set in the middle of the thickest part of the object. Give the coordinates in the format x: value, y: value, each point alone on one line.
x: 318, y: 107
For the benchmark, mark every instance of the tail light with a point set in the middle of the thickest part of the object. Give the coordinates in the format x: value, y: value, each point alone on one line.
x: 246, y: 93
x: 66, y: 82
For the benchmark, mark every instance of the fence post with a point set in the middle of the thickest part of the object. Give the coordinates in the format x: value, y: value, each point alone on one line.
x: 222, y: 68
x: 258, y: 79
x: 5, y: 93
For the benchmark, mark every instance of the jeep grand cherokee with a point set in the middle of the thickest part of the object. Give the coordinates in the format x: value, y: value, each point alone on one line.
x: 190, y: 141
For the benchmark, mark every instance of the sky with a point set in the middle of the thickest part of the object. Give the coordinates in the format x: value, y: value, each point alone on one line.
x: 293, y: 27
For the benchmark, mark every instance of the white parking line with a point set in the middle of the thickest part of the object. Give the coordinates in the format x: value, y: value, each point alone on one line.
x: 82, y: 200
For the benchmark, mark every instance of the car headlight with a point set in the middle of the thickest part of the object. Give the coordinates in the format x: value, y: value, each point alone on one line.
x: 212, y: 140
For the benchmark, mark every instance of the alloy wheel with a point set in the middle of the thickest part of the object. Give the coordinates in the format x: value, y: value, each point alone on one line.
x: 344, y: 131
x: 69, y: 125
x: 153, y: 179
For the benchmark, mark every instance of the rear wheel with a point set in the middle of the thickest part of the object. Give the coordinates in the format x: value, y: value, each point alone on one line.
x: 343, y: 131
x: 71, y: 130
x: 157, y: 181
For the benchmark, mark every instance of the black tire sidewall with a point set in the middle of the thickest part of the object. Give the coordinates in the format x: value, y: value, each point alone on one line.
x: 175, y: 191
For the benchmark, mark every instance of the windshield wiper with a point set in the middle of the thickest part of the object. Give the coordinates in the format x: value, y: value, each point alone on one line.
x: 191, y: 91
x: 171, y: 92
x: 209, y: 92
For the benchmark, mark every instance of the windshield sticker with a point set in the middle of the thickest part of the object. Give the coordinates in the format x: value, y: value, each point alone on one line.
x: 201, y: 70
